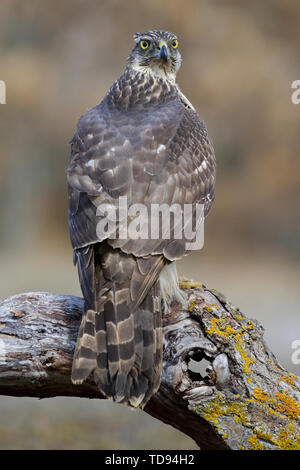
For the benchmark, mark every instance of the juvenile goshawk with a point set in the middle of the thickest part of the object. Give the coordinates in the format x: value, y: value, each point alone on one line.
x: 146, y: 143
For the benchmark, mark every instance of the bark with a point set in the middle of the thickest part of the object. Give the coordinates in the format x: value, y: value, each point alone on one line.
x: 221, y: 385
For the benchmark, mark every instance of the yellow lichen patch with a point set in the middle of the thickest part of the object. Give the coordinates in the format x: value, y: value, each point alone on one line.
x: 221, y: 327
x: 260, y: 395
x: 247, y: 360
x: 282, y: 404
x: 265, y: 436
x: 237, y: 314
x: 192, y: 304
x: 283, y: 437
x: 289, y: 379
x: 217, y: 408
x: 287, y: 405
x: 239, y: 317
x: 288, y: 439
x: 185, y: 283
x: 254, y: 443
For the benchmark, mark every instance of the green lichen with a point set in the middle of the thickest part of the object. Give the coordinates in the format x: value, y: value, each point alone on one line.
x: 287, y: 405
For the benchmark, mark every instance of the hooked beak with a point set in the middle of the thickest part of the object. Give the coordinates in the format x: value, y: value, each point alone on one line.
x: 164, y: 54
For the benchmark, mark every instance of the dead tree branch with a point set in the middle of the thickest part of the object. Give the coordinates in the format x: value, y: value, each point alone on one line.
x: 243, y: 400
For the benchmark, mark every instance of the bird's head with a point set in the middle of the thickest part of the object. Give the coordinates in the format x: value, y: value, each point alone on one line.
x: 156, y: 52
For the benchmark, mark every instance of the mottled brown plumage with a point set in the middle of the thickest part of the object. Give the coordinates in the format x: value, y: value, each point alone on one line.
x: 146, y: 142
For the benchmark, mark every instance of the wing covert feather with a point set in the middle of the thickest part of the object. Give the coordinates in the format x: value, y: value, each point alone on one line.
x: 163, y: 157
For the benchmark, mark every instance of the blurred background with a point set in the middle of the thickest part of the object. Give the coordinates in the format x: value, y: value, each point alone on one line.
x: 58, y: 58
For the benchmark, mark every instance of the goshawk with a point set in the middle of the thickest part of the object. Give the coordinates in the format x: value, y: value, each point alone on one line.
x: 145, y: 144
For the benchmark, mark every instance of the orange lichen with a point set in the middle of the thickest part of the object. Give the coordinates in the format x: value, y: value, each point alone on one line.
x: 287, y: 405
x: 281, y: 404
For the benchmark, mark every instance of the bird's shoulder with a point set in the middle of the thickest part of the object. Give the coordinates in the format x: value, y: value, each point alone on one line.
x: 141, y: 110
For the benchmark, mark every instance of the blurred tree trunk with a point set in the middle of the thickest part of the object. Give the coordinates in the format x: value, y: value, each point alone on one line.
x: 220, y: 384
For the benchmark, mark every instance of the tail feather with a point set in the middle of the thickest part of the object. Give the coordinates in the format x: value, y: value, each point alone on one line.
x: 152, y: 341
x: 119, y: 342
x: 85, y: 356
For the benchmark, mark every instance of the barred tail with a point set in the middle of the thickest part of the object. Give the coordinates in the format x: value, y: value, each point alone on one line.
x: 122, y: 347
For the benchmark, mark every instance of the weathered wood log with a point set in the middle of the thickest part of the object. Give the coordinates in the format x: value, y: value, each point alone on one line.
x: 243, y: 400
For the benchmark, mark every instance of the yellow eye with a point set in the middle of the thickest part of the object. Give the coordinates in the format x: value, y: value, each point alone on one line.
x: 144, y: 44
x: 174, y: 44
